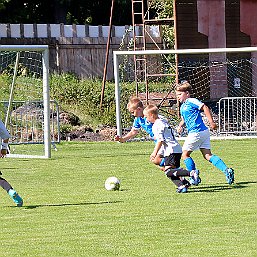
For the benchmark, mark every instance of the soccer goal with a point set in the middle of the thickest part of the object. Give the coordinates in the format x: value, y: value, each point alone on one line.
x: 25, y: 106
x: 223, y: 78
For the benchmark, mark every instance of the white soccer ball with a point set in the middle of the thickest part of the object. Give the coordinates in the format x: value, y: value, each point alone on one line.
x: 112, y: 183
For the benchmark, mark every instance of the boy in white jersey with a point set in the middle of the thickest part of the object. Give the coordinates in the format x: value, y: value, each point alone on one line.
x: 198, y: 134
x: 4, y: 135
x: 172, y: 150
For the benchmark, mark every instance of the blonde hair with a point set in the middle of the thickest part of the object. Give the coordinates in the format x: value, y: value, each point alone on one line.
x: 134, y: 103
x: 152, y: 109
x: 183, y: 87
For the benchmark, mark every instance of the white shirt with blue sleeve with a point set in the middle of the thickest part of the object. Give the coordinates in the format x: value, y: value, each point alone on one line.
x: 164, y: 133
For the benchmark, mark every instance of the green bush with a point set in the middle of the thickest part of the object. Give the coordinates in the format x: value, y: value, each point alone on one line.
x: 86, y: 96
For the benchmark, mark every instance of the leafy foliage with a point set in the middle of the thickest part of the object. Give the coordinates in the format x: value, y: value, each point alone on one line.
x: 2, y: 4
x: 65, y: 11
x: 164, y: 9
x: 86, y: 96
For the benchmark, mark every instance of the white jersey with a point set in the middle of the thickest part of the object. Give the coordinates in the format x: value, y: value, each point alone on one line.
x: 163, y: 133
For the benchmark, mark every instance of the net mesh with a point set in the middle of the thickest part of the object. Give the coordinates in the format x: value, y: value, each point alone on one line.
x: 21, y: 102
x: 213, y: 76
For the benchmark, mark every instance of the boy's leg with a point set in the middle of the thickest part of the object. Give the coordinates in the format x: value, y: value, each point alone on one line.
x: 182, y: 185
x: 181, y: 173
x: 191, y: 143
x: 11, y: 192
x: 175, y: 180
x: 190, y: 164
x: 5, y: 185
x: 218, y: 163
x: 171, y: 168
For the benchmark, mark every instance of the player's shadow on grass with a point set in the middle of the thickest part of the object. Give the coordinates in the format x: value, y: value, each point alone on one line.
x: 68, y: 204
x: 222, y: 187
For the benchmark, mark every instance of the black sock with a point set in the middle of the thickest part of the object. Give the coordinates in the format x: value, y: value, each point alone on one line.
x: 5, y: 185
x: 176, y: 180
x: 177, y: 172
x: 183, y: 173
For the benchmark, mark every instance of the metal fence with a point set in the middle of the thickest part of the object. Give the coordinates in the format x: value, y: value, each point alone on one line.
x: 237, y: 116
x: 26, y: 123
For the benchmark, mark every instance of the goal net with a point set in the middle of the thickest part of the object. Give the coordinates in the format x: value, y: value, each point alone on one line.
x: 225, y: 79
x: 25, y: 106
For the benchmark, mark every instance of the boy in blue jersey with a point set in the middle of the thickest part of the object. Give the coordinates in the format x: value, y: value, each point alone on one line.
x: 136, y: 107
x: 198, y: 134
x: 4, y: 135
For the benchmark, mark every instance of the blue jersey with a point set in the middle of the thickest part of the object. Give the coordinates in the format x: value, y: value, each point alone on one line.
x: 141, y: 122
x: 191, y: 113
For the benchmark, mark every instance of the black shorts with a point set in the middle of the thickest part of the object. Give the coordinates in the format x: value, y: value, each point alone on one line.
x: 173, y: 160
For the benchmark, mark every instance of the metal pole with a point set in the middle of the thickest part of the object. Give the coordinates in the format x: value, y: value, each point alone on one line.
x: 117, y: 93
x: 107, y: 55
x: 46, y: 99
x: 12, y: 88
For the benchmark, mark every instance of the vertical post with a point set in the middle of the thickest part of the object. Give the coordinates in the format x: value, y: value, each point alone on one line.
x: 46, y: 99
x: 176, y: 47
x: 107, y: 55
x: 117, y: 93
x: 12, y: 88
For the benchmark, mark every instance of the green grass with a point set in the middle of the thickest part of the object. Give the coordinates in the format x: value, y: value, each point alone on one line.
x: 68, y: 212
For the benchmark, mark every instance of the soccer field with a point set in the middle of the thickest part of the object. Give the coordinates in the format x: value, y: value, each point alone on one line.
x: 68, y: 212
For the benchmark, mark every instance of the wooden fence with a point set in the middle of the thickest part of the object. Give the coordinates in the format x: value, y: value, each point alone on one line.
x: 78, y: 49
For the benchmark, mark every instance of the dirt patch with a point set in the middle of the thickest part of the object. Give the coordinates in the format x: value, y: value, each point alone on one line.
x: 86, y: 134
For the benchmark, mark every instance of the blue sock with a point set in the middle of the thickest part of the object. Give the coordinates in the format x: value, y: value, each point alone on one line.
x: 190, y: 164
x: 218, y: 163
x: 162, y: 163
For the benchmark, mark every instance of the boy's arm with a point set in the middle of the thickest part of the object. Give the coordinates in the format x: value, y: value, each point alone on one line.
x: 180, y: 125
x: 133, y: 132
x: 4, y: 148
x: 157, y: 147
x: 207, y: 112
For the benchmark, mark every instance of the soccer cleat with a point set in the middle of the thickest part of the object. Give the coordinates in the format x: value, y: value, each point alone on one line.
x: 15, y: 197
x: 229, y: 175
x: 182, y: 189
x: 195, y: 179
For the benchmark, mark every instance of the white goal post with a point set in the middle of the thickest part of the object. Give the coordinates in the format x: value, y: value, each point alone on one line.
x: 26, y: 69
x: 221, y: 73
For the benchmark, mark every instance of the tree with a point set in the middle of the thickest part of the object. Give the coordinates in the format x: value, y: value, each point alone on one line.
x: 94, y: 12
x: 2, y: 4
x: 164, y: 9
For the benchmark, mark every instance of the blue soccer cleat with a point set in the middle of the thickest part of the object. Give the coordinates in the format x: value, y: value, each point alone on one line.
x: 229, y: 175
x: 195, y: 179
x: 15, y: 197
